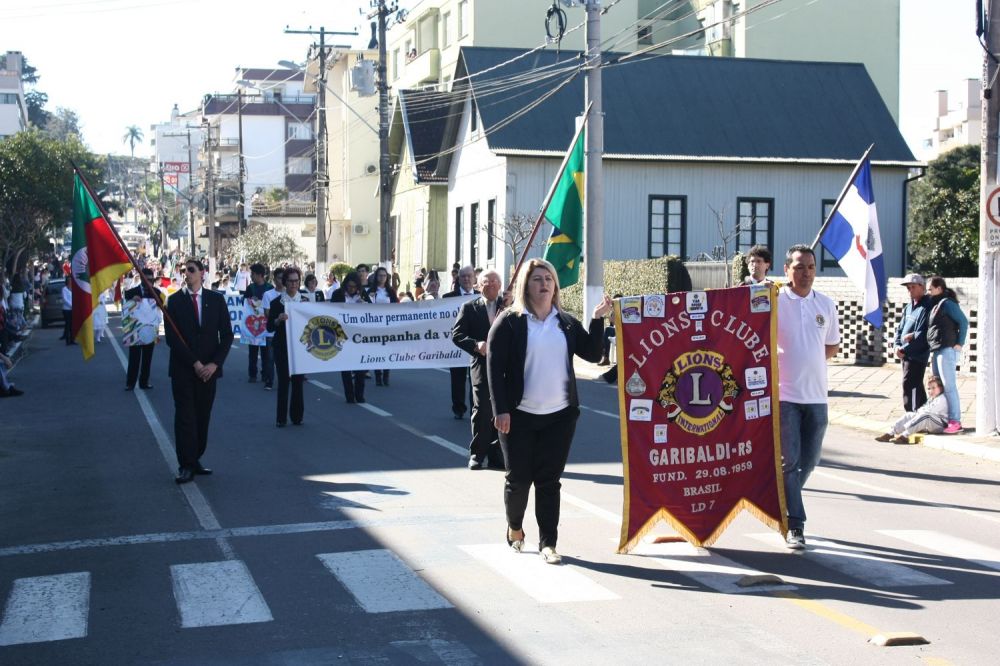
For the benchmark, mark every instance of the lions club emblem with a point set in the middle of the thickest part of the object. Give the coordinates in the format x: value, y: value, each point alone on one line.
x: 323, y: 337
x: 698, y: 391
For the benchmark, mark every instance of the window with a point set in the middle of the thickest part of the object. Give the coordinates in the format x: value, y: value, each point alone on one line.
x: 491, y: 219
x: 474, y: 233
x: 427, y: 34
x: 825, y: 260
x: 8, y: 98
x: 395, y: 64
x: 459, y: 223
x: 755, y: 218
x: 644, y: 36
x: 299, y: 165
x: 463, y: 17
x: 667, y: 226
x: 445, y: 20
x: 300, y: 131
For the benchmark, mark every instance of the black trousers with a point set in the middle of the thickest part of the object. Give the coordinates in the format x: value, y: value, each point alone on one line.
x: 535, y: 452
x: 295, y: 382
x: 193, y: 400
x: 914, y: 394
x: 354, y: 385
x: 459, y: 380
x: 485, y: 442
x: 140, y: 358
x: 67, y: 327
x: 382, y: 377
x: 266, y: 369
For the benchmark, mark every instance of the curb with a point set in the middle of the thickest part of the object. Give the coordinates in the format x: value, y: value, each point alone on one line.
x: 16, y: 348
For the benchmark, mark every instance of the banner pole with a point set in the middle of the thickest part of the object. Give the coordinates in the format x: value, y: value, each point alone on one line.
x: 840, y: 199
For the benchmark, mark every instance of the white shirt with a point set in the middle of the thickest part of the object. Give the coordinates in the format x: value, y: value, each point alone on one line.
x: 329, y: 291
x: 67, y: 294
x: 380, y: 295
x: 200, y: 296
x: 805, y: 327
x: 242, y: 280
x: 269, y: 295
x: 356, y: 298
x: 546, y: 379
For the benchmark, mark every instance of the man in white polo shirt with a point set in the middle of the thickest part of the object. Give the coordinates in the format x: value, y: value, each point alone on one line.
x: 808, y: 336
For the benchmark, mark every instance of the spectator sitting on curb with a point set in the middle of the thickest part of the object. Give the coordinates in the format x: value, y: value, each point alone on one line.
x: 932, y: 417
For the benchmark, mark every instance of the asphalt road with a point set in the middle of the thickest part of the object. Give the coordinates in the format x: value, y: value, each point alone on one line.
x: 360, y: 537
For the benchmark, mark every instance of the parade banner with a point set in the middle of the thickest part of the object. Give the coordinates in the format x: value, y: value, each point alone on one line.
x: 140, y: 322
x: 324, y: 337
x: 253, y: 322
x: 698, y: 382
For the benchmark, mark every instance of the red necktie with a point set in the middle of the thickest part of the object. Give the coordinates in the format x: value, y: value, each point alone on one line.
x: 197, y: 315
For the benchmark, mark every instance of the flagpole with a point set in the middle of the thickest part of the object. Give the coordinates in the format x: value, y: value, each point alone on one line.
x: 843, y: 193
x: 548, y: 198
x: 145, y: 280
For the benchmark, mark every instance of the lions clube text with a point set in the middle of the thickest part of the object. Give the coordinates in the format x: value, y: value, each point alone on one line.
x: 682, y: 321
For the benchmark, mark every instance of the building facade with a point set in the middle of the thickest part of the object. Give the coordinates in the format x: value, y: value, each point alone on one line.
x: 959, y: 120
x: 13, y: 110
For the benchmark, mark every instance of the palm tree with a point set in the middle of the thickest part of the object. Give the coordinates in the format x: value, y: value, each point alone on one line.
x: 133, y: 135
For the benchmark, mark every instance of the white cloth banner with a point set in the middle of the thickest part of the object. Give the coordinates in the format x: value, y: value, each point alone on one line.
x: 325, y: 337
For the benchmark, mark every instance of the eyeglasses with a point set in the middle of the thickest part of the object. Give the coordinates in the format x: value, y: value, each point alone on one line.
x: 191, y: 269
x: 291, y: 281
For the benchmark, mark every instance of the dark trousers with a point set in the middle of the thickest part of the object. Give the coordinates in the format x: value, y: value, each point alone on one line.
x: 459, y: 380
x: 266, y: 368
x: 296, y: 382
x: 140, y: 358
x: 67, y: 327
x: 381, y: 377
x: 193, y: 401
x: 354, y: 385
x: 485, y: 442
x: 535, y: 452
x: 914, y: 395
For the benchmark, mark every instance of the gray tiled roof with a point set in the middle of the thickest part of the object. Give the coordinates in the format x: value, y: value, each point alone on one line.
x: 691, y: 107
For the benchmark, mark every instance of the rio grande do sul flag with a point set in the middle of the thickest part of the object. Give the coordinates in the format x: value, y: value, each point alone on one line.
x: 698, y: 401
x: 98, y: 260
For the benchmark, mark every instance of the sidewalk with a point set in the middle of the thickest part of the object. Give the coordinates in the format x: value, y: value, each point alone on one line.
x: 870, y: 398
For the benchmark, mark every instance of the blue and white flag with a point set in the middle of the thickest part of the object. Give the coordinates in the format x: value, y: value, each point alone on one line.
x: 852, y: 237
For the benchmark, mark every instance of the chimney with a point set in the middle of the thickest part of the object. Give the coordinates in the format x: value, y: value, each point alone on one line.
x: 15, y: 62
x: 174, y: 112
x: 942, y: 103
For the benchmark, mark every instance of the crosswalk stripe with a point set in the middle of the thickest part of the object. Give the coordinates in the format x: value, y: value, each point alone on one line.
x: 46, y: 608
x: 861, y: 564
x: 212, y: 594
x: 544, y: 582
x: 599, y: 411
x: 704, y: 566
x: 949, y: 545
x: 381, y: 582
x: 451, y: 446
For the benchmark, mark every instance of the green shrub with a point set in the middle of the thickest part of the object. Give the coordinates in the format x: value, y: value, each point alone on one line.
x: 739, y: 268
x: 340, y: 269
x: 632, y: 277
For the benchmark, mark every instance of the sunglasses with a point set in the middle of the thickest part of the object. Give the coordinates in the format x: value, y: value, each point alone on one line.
x: 191, y: 269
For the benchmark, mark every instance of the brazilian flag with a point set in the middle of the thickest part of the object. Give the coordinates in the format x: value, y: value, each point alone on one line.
x: 565, y: 213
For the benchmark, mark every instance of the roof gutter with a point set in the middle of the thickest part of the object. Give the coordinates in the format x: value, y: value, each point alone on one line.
x: 720, y: 159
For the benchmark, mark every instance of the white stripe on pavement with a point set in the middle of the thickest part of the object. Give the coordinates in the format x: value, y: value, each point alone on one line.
x: 381, y: 582
x: 859, y: 563
x: 598, y: 411
x: 374, y: 410
x: 212, y: 594
x: 544, y: 582
x: 949, y: 545
x: 320, y: 385
x: 708, y: 568
x: 46, y: 608
x: 451, y: 446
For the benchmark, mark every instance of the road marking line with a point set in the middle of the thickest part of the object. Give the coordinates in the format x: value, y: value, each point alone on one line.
x: 949, y: 545
x: 912, y: 498
x: 710, y: 569
x: 598, y: 411
x: 543, y: 582
x: 381, y: 582
x: 816, y: 608
x: 320, y: 385
x: 444, y: 370
x: 374, y: 410
x: 46, y: 608
x: 451, y: 446
x: 859, y: 563
x: 610, y: 516
x: 213, y: 594
x: 195, y: 499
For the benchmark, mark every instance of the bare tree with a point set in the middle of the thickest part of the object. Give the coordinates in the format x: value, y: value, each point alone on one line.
x: 727, y: 234
x: 514, y: 231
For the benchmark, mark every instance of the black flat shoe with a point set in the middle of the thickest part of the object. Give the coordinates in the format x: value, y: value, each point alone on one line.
x: 184, y: 475
x: 146, y: 387
x: 296, y: 422
x: 515, y: 544
x: 202, y: 470
x: 280, y: 424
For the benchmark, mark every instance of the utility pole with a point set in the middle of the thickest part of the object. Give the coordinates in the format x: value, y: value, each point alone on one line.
x: 382, y: 12
x: 988, y: 370
x: 593, y: 171
x: 242, y: 220
x: 164, y: 239
x: 190, y: 196
x: 209, y: 190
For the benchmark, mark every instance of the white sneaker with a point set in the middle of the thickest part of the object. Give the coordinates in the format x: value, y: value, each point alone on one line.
x: 795, y: 540
x: 550, y: 555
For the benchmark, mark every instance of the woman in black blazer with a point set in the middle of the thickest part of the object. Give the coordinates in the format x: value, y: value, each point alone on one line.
x: 351, y: 291
x: 382, y: 292
x: 276, y: 318
x: 530, y: 352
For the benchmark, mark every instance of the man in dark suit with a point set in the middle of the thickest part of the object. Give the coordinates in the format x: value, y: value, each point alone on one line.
x: 460, y: 376
x: 469, y: 333
x: 196, y: 358
x: 140, y: 357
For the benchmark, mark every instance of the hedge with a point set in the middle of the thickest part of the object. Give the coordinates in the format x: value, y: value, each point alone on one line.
x: 631, y: 277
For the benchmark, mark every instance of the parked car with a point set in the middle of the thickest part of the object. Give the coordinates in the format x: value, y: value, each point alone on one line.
x: 52, y: 307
